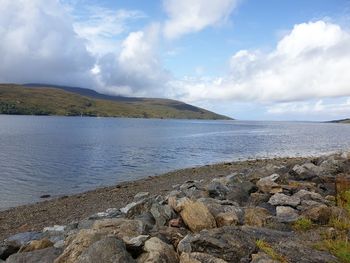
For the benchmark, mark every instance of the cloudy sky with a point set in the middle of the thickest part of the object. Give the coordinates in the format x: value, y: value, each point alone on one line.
x: 249, y: 59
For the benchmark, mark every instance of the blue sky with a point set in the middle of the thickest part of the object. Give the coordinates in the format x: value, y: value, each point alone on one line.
x: 249, y: 59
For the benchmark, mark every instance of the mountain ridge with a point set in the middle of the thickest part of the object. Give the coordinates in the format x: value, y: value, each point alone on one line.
x: 47, y: 99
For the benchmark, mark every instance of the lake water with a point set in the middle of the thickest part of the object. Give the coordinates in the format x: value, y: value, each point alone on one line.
x: 64, y: 155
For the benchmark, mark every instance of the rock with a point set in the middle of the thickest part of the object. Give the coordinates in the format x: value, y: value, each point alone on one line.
x: 283, y: 200
x: 198, y: 257
x: 307, y: 195
x: 227, y: 219
x: 258, y: 198
x: 286, y: 214
x: 176, y: 222
x: 54, y: 229
x: 121, y: 227
x: 306, y: 171
x: 197, y: 216
x: 77, y: 244
x: 23, y: 238
x: 228, y: 243
x: 8, y: 248
x: 156, y: 251
x: 141, y: 195
x: 109, y: 213
x: 36, y: 245
x: 318, y: 214
x: 256, y: 216
x: 137, y: 208
x: 161, y: 213
x: 47, y: 255
x: 345, y: 155
x: 107, y: 250
x: 268, y: 184
x: 177, y: 204
x: 135, y: 244
x: 216, y: 189
x: 262, y: 257
x: 240, y: 192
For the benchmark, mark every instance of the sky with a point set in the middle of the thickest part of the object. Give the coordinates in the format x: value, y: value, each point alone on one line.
x: 248, y: 59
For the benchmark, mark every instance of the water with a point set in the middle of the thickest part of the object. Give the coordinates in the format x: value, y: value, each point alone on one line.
x: 64, y: 155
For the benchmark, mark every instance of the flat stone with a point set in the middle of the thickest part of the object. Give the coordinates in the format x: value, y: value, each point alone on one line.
x: 197, y: 216
x: 283, y: 200
x: 286, y: 214
x: 24, y: 238
x: 141, y: 195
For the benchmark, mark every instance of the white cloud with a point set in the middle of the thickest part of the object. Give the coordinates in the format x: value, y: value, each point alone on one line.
x: 187, y: 16
x: 136, y: 70
x: 38, y: 44
x: 334, y: 109
x: 100, y: 26
x: 312, y: 61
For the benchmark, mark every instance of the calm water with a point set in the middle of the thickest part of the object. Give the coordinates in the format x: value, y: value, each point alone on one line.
x: 63, y: 155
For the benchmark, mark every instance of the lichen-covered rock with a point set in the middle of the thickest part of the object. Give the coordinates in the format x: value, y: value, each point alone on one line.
x: 77, y: 244
x: 284, y: 200
x: 256, y: 216
x: 106, y: 250
x: 36, y: 245
x: 197, y: 216
x: 156, y: 251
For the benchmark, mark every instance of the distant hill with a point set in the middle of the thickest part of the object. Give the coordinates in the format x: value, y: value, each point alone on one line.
x: 39, y: 99
x: 341, y: 121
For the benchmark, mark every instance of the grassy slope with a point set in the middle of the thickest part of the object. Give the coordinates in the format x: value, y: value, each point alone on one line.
x: 15, y: 99
x: 341, y: 121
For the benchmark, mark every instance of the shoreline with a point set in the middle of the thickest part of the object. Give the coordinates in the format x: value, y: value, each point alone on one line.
x: 69, y: 208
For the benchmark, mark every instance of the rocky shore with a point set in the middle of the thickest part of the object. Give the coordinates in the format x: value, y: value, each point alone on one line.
x: 282, y: 210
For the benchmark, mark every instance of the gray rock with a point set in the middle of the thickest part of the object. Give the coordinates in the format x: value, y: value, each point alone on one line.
x: 197, y: 257
x: 306, y: 171
x: 47, y: 255
x: 161, y: 213
x: 286, y: 214
x: 227, y: 243
x: 307, y: 195
x: 283, y: 200
x: 217, y: 189
x: 137, y: 208
x: 240, y: 192
x: 24, y: 238
x: 141, y: 195
x: 107, y: 250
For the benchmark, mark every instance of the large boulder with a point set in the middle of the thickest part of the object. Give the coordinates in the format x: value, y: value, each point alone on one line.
x: 197, y: 216
x: 107, y: 250
x: 156, y: 251
x: 228, y: 243
x: 47, y: 255
x: 240, y: 192
x: 161, y: 213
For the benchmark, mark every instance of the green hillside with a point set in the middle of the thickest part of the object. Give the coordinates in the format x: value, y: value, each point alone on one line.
x: 16, y: 99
